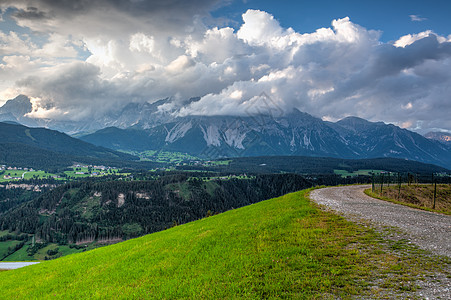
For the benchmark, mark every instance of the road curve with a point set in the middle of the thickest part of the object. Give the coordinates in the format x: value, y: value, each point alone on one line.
x: 430, y: 231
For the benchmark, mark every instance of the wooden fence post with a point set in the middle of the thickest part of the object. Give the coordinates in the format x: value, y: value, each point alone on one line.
x: 435, y: 194
x: 372, y: 183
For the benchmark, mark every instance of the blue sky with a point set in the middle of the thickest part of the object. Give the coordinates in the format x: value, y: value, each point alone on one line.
x: 390, y: 17
x: 380, y: 60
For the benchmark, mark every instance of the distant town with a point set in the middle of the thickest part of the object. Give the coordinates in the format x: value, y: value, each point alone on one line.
x: 8, y: 173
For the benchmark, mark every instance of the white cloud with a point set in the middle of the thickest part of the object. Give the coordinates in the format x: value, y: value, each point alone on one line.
x: 13, y: 43
x: 332, y: 72
x: 58, y: 46
x: 179, y: 64
x: 409, y: 39
x: 259, y: 28
x: 141, y: 43
x: 417, y: 18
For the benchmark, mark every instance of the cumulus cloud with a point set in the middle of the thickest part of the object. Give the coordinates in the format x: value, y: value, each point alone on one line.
x: 411, y: 38
x: 141, y: 43
x: 70, y: 91
x: 13, y: 43
x: 90, y: 64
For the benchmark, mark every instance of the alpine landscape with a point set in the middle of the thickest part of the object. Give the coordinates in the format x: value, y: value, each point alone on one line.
x: 225, y: 150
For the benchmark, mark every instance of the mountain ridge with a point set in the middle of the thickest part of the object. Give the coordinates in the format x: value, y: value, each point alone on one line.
x: 295, y: 134
x: 146, y: 126
x: 41, y: 148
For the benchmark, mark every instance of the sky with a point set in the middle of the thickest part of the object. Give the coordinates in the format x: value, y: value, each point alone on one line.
x: 379, y: 60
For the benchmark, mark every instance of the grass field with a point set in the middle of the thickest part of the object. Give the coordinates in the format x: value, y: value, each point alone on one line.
x: 219, y: 162
x: 19, y: 255
x: 41, y: 254
x: 162, y: 156
x: 12, y: 173
x: 4, y: 247
x: 344, y: 173
x: 62, y: 251
x: 4, y: 232
x: 417, y: 196
x: 86, y: 172
x: 281, y: 248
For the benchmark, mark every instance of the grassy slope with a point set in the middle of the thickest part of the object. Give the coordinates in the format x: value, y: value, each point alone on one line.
x: 283, y: 247
x: 5, y: 245
x: 416, y: 196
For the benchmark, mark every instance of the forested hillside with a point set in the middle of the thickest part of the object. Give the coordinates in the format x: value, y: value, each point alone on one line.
x: 87, y: 211
x: 317, y: 165
x: 48, y: 149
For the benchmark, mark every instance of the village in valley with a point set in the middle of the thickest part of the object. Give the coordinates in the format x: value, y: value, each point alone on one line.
x: 14, y: 173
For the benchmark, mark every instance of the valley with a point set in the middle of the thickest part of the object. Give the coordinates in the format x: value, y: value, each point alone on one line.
x: 68, y: 196
x: 225, y: 149
x: 44, y: 216
x: 151, y: 185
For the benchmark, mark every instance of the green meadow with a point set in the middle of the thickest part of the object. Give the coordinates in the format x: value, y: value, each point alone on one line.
x: 280, y: 248
x: 73, y: 173
x: 162, y: 156
x: 344, y: 173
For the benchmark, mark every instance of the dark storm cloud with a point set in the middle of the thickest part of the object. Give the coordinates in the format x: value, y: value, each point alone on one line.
x: 30, y: 13
x: 112, y: 18
x: 75, y: 88
x: 178, y: 8
x: 392, y: 59
x: 389, y: 61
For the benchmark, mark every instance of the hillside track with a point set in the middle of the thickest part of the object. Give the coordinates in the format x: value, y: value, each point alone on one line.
x: 430, y: 231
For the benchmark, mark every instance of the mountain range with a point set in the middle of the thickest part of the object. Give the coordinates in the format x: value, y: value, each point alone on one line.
x: 143, y: 126
x: 296, y: 133
x: 43, y: 148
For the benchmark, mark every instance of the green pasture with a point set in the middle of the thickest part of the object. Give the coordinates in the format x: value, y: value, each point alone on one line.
x: 280, y: 248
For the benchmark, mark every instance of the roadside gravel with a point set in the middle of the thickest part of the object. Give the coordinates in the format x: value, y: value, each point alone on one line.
x: 430, y: 231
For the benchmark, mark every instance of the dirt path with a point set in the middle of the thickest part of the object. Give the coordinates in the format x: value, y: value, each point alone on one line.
x: 428, y: 230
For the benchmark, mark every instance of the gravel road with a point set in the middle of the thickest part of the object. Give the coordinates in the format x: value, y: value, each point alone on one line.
x: 428, y: 230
